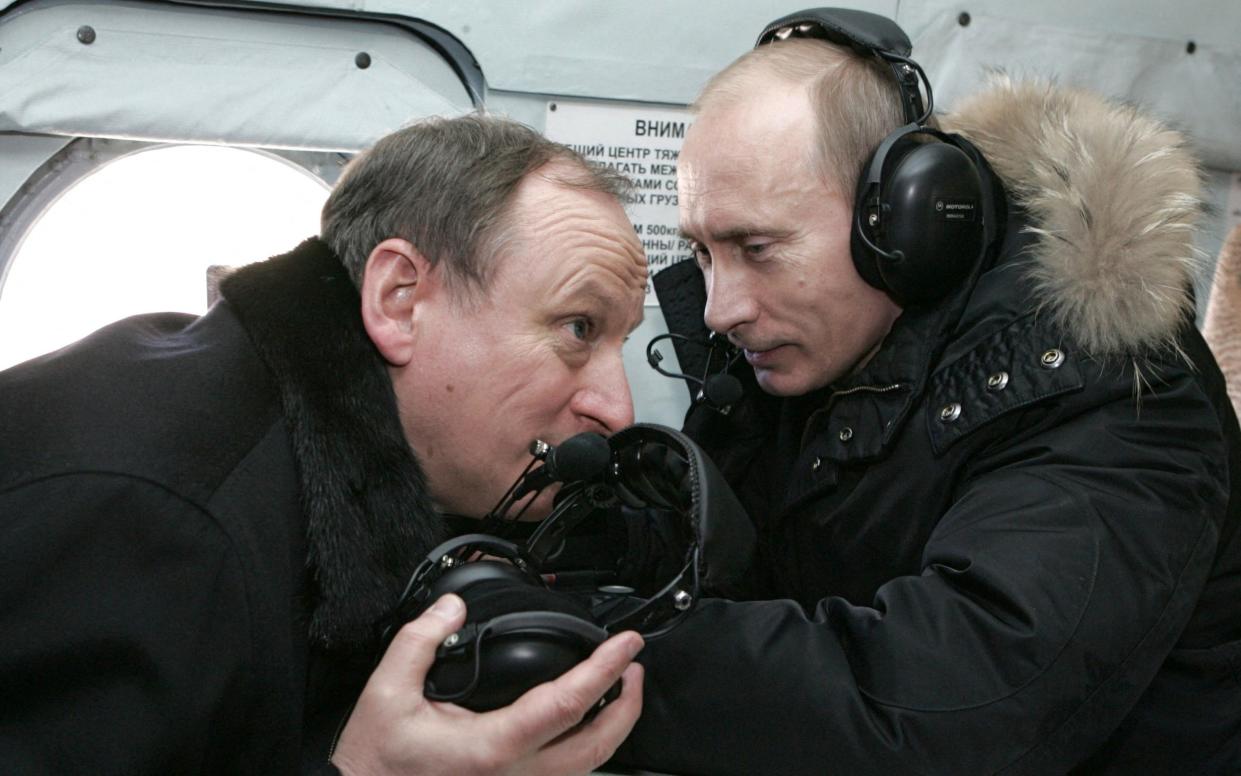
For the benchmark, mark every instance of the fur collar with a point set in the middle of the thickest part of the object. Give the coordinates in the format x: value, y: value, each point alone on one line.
x: 369, y: 517
x: 1114, y: 198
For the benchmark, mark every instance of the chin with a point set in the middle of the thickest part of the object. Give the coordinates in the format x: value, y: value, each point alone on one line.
x: 781, y: 384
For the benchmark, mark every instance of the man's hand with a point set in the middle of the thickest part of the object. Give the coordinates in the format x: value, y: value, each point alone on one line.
x: 394, y: 729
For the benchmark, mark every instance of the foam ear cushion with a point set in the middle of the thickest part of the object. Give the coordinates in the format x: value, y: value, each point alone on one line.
x: 658, y: 476
x: 488, y: 600
x: 468, y: 575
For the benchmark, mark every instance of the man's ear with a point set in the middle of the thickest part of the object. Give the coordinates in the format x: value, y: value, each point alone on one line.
x: 396, y: 280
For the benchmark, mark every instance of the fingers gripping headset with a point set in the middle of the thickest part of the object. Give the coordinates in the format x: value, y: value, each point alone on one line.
x: 520, y: 630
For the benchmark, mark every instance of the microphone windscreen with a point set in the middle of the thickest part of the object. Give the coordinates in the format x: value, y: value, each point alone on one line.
x: 580, y: 457
x: 722, y: 390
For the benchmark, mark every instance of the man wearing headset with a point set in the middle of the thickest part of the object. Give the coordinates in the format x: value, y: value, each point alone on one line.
x: 994, y: 496
x: 204, y: 519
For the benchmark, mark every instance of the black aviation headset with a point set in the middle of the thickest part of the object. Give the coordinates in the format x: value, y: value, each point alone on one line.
x: 522, y: 628
x: 925, y: 208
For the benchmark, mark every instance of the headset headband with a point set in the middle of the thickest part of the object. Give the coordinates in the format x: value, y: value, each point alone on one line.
x: 868, y: 35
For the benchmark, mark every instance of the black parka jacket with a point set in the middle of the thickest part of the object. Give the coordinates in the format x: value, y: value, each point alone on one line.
x: 1008, y: 544
x: 200, y: 519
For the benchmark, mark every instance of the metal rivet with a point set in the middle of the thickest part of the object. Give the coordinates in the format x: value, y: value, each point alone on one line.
x: 681, y: 600
x: 814, y: 467
x: 950, y: 412
x: 873, y: 219
x: 997, y: 381
x: 1052, y: 359
x: 452, y: 640
x: 362, y: 60
x: 86, y: 34
x: 846, y: 434
x: 963, y: 19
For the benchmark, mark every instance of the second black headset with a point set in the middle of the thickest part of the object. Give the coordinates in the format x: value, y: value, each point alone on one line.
x: 520, y: 631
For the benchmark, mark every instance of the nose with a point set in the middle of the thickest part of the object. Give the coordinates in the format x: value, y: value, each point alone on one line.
x: 604, y: 399
x: 730, y: 299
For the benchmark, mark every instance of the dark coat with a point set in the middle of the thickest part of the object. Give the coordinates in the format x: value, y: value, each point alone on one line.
x: 191, y: 509
x: 1008, y: 544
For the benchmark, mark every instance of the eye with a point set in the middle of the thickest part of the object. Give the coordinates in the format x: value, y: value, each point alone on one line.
x: 700, y: 254
x: 755, y: 250
x: 582, y: 328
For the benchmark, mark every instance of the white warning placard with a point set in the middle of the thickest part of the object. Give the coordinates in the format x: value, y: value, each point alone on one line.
x: 643, y: 144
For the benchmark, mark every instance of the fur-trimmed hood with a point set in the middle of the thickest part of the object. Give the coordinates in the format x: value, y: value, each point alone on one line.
x: 369, y: 516
x: 1114, y: 197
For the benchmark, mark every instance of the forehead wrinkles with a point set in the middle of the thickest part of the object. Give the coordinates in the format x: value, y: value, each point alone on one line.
x: 586, y: 224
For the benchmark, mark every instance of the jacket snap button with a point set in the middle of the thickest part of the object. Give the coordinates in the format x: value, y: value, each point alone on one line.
x: 814, y: 467
x: 846, y: 434
x: 997, y: 381
x: 1052, y: 359
x: 950, y: 412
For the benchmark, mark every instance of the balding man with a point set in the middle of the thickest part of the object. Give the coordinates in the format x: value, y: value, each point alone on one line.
x: 990, y: 459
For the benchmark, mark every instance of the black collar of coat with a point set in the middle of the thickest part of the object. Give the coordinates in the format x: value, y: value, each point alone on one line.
x: 369, y: 518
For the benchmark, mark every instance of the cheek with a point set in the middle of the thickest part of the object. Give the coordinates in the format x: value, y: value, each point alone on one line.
x: 495, y: 366
x: 531, y: 385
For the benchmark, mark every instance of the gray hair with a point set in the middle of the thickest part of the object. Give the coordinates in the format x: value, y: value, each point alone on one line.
x: 855, y: 99
x: 446, y: 186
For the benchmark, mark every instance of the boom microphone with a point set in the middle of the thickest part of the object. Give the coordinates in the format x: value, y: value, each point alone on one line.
x: 580, y: 457
x: 718, y: 390
x: 722, y: 390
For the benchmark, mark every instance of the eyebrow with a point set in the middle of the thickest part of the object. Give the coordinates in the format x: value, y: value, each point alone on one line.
x: 739, y: 232
x: 592, y: 289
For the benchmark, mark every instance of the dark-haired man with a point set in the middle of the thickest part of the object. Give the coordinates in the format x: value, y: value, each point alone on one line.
x: 204, y: 519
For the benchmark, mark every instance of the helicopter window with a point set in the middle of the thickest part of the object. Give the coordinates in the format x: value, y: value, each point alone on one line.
x: 138, y: 233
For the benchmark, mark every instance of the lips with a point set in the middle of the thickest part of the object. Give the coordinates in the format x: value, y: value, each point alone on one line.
x: 762, y: 358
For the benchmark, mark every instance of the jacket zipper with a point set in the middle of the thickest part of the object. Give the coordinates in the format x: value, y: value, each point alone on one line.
x: 827, y: 408
x: 861, y: 388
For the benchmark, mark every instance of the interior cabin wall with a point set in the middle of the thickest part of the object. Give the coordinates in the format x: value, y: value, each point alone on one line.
x: 292, y: 78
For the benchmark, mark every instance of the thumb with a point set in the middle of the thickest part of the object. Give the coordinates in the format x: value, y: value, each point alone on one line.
x: 412, y: 652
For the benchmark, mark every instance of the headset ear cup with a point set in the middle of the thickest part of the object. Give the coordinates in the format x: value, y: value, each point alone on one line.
x: 932, y: 203
x: 525, y: 636
x: 489, y: 600
x: 920, y: 203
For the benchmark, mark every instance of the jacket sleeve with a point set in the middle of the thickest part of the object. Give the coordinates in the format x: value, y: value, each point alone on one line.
x: 124, y: 631
x: 1049, y: 594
